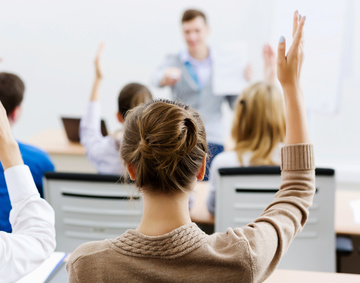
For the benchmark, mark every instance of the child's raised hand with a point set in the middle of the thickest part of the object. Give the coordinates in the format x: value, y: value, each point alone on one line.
x: 289, y: 65
x: 98, y: 67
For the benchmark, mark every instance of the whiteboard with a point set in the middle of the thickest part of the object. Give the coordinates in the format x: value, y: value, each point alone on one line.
x: 328, y: 36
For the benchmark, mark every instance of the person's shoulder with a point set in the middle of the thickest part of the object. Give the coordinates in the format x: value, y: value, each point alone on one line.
x: 32, y: 154
x: 30, y: 148
x: 226, y: 159
x: 90, y: 250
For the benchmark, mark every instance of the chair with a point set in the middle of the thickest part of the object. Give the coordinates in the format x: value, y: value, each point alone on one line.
x: 243, y: 193
x: 91, y: 207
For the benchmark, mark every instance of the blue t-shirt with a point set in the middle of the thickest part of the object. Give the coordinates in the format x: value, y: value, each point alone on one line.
x: 39, y: 162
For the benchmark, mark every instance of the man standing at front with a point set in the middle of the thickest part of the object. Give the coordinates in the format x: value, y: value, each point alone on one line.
x: 189, y: 74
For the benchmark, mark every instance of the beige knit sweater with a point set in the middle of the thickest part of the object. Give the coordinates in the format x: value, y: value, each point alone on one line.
x: 246, y: 254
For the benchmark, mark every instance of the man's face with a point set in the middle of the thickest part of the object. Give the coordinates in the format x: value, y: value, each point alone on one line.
x: 195, y: 33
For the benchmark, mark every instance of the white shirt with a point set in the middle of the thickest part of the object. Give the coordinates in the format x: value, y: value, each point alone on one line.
x: 202, y: 68
x: 228, y: 159
x: 32, y: 220
x: 103, y: 152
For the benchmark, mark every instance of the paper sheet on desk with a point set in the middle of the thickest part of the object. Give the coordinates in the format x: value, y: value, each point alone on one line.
x: 40, y: 274
x: 229, y: 62
x: 355, y: 206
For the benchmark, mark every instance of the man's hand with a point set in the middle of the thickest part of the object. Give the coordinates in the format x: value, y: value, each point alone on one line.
x: 171, y: 76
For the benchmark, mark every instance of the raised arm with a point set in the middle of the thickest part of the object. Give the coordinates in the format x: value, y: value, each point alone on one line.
x: 269, y: 64
x: 98, y: 74
x: 270, y: 235
x: 288, y: 72
x: 9, y: 149
x: 32, y: 218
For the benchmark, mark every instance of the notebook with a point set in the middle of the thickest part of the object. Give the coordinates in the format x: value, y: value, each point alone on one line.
x: 50, y: 270
x: 72, y: 125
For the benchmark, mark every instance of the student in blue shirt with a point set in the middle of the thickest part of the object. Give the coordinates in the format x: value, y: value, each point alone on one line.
x: 11, y: 95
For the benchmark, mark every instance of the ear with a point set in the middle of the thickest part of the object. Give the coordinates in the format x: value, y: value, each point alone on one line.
x: 202, y: 170
x: 131, y: 170
x: 14, y: 116
x: 119, y: 117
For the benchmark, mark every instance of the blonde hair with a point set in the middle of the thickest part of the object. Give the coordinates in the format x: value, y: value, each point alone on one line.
x: 166, y: 143
x: 259, y: 123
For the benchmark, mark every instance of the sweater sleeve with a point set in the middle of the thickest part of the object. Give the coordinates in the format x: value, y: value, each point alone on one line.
x: 270, y: 235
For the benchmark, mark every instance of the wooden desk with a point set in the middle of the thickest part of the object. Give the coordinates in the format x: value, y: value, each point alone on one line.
x: 67, y: 156
x: 344, y: 219
x: 295, y: 276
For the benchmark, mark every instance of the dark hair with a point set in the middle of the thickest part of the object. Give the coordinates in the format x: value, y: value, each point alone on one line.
x: 166, y: 143
x: 191, y: 14
x: 11, y: 91
x: 131, y: 96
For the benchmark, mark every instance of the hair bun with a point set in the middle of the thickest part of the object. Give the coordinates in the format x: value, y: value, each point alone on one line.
x: 191, y: 135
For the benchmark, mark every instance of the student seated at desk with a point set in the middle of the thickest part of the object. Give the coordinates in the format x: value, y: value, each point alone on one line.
x: 103, y: 152
x: 11, y: 95
x: 165, y: 150
x: 258, y: 128
x: 32, y: 218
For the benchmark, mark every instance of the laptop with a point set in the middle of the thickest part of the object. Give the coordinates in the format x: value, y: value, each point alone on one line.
x: 72, y: 126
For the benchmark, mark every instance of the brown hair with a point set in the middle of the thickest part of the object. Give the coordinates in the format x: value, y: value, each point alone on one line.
x: 259, y: 122
x: 191, y: 14
x: 166, y: 142
x: 11, y: 91
x: 131, y: 96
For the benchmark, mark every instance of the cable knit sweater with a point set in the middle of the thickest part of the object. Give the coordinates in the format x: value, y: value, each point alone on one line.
x: 245, y: 254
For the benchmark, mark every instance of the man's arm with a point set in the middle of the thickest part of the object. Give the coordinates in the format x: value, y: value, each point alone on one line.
x: 32, y: 218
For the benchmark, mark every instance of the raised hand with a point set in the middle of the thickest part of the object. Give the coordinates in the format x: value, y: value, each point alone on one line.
x: 98, y: 67
x: 99, y: 74
x: 288, y: 71
x: 269, y: 64
x: 9, y: 149
x: 248, y: 72
x: 289, y: 65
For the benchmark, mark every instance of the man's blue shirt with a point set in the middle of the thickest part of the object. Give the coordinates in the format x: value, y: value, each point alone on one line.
x: 39, y: 162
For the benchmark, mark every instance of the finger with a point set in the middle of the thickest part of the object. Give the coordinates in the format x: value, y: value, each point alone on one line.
x: 299, y: 35
x: 295, y: 22
x: 281, y: 59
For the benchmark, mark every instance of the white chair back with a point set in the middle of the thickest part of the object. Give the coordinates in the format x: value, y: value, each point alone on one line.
x: 91, y: 207
x: 243, y: 193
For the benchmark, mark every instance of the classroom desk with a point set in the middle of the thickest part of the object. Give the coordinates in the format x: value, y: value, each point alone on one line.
x: 296, y: 276
x: 66, y: 155
x: 344, y: 220
x: 278, y: 276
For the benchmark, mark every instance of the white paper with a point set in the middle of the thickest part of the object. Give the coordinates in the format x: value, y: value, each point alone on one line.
x: 229, y: 62
x: 40, y: 274
x: 355, y: 206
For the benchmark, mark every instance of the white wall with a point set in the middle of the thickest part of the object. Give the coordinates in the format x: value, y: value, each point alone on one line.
x: 51, y: 45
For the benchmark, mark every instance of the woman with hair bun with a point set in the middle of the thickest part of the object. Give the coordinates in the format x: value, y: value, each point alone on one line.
x: 164, y: 150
